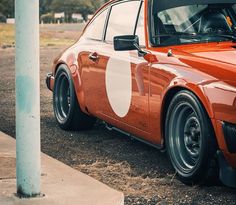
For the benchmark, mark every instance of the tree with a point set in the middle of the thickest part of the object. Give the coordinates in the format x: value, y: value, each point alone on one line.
x: 89, y: 6
x: 44, y: 6
x: 84, y: 7
x: 7, y: 8
x: 97, y: 4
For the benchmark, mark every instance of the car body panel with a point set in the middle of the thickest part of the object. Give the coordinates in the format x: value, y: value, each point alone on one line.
x: 206, y: 69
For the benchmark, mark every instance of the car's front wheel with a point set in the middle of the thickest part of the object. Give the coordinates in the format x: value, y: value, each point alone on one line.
x: 66, y: 108
x: 189, y: 138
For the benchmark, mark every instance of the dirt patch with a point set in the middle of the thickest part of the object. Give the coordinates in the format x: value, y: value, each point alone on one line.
x: 7, y: 168
x: 143, y: 173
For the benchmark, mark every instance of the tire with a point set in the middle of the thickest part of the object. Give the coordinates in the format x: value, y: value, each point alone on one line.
x: 65, y: 105
x: 190, y: 139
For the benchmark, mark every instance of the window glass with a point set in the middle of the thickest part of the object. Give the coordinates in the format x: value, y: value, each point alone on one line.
x: 193, y: 24
x: 181, y: 17
x: 122, y: 19
x: 140, y: 28
x: 96, y: 28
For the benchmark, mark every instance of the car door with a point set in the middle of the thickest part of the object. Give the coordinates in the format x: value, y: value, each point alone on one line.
x: 91, y: 64
x: 119, y: 81
x: 127, y: 74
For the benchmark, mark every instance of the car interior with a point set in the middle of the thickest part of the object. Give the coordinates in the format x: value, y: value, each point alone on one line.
x: 214, y: 19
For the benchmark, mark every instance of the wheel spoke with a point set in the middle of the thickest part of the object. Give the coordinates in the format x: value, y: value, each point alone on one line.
x: 186, y: 136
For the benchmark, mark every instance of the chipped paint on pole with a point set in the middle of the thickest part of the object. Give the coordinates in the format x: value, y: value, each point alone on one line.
x: 27, y: 98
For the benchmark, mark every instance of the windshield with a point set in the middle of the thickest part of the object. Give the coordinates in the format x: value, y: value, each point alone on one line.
x: 194, y: 24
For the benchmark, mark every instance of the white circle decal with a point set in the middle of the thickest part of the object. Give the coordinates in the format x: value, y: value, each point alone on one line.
x: 119, y: 83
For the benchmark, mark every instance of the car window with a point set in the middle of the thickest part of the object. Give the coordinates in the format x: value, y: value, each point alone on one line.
x: 122, y: 19
x: 96, y: 28
x: 140, y: 27
x: 180, y: 18
x: 194, y: 23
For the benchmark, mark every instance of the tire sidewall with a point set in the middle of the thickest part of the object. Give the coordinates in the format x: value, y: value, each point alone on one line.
x: 63, y: 70
x: 198, y: 172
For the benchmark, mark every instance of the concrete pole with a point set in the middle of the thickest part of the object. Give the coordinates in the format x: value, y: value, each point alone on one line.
x: 27, y: 98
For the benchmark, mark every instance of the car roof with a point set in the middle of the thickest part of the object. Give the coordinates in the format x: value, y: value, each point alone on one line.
x: 112, y: 1
x: 160, y: 5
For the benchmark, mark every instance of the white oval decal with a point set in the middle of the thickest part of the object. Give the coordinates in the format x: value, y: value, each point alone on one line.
x: 119, y: 83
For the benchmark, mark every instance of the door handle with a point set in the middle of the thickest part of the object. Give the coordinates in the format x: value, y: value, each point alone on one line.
x: 93, y: 56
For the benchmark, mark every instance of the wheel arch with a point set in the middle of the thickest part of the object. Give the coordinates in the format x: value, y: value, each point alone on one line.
x: 56, y: 67
x: 76, y: 78
x: 172, y: 91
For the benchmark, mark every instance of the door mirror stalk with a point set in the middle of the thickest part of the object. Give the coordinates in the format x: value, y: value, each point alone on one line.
x: 141, y: 52
x: 131, y: 42
x: 128, y: 43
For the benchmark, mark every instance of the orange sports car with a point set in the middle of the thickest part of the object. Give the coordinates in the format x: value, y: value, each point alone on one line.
x: 161, y: 71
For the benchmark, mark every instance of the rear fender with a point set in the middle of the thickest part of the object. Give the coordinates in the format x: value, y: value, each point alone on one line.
x: 71, y: 62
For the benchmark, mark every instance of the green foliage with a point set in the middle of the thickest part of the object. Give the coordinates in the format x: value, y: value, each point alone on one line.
x: 7, y: 8
x: 84, y: 7
x: 2, y: 18
x: 44, y: 6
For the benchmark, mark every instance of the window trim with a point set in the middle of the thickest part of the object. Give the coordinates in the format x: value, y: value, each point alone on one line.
x: 136, y: 25
x: 110, y: 10
x: 106, y: 24
x: 94, y: 18
x: 139, y: 11
x: 151, y: 32
x: 150, y: 23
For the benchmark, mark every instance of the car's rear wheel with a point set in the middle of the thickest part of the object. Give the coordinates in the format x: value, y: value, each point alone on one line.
x: 66, y: 108
x: 190, y: 138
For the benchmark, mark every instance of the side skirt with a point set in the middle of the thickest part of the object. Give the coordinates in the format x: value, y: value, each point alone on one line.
x: 112, y: 128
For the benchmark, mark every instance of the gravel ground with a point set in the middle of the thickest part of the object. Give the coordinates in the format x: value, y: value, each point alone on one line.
x: 143, y: 173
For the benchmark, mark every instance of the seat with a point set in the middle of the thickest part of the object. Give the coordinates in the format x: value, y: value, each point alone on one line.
x: 213, y: 21
x: 160, y: 26
x: 160, y: 30
x: 161, y: 38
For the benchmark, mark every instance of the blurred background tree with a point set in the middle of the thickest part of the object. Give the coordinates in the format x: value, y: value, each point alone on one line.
x: 7, y: 8
x: 48, y: 7
x: 44, y: 6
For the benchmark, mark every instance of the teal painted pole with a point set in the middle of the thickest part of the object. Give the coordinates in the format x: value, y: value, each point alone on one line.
x: 28, y: 164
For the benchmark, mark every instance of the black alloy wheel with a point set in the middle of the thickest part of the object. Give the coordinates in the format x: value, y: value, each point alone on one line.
x: 65, y: 104
x: 190, y: 138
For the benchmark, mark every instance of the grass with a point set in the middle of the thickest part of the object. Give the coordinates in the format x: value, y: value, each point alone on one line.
x: 50, y: 34
x: 7, y: 34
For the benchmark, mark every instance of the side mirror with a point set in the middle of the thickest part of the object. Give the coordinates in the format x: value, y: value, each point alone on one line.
x: 126, y: 43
